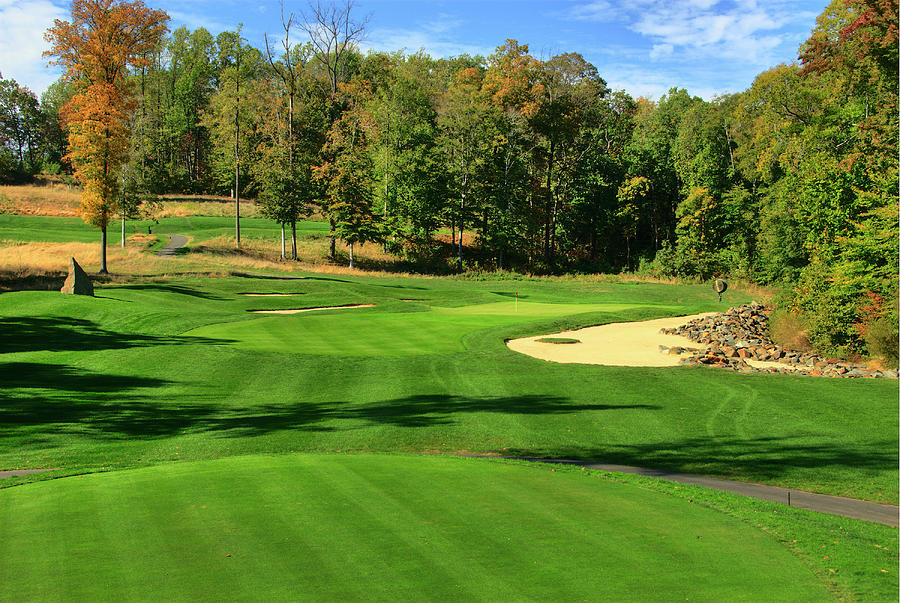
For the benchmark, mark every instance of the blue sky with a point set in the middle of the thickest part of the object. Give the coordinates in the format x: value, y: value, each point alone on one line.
x: 645, y: 47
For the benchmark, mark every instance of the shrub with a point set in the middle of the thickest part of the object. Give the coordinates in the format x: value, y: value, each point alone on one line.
x: 881, y: 340
x: 877, y: 324
x: 788, y: 330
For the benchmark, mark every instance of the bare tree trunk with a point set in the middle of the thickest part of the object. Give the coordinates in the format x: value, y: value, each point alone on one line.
x: 462, y: 206
x: 123, y: 229
x: 103, y: 250
x: 282, y: 240
x: 351, y: 254
x: 237, y: 137
x: 728, y: 140
x: 331, y: 243
x: 293, y: 239
x: 548, y: 205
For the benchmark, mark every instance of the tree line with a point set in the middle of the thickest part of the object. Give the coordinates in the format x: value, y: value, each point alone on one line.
x: 531, y: 164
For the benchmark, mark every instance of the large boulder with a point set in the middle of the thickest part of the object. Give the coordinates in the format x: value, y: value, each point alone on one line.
x: 77, y: 283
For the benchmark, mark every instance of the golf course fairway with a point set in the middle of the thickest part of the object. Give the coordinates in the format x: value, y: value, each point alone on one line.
x: 378, y: 527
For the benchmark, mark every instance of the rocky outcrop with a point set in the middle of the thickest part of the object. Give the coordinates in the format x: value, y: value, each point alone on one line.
x: 741, y: 334
x: 77, y: 283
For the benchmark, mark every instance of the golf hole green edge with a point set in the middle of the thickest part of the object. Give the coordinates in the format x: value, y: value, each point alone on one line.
x: 378, y: 527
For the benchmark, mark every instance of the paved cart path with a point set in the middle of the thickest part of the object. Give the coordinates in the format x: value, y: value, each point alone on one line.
x: 823, y: 503
x: 175, y: 242
x: 18, y: 472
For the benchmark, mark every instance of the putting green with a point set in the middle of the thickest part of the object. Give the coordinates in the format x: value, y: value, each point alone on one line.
x: 365, y: 527
x: 531, y: 309
x: 370, y: 332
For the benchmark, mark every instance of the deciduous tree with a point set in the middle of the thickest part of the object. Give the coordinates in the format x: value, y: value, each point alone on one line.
x: 96, y: 48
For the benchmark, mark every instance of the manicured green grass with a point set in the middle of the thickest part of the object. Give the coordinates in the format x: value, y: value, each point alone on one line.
x: 857, y: 559
x: 371, y: 333
x: 360, y: 527
x: 178, y: 370
x: 46, y: 229
x: 131, y: 375
x: 200, y: 228
x: 558, y: 340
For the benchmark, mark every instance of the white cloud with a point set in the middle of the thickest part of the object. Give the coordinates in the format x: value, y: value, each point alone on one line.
x: 661, y: 50
x: 749, y: 30
x: 195, y: 21
x: 601, y: 11
x: 437, y: 38
x: 22, y: 27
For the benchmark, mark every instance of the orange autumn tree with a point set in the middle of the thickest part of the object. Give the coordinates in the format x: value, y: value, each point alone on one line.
x: 96, y: 48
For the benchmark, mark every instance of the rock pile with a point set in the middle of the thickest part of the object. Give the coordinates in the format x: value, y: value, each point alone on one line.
x: 739, y: 336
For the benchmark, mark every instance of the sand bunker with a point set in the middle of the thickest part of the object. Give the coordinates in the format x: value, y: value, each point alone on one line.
x: 270, y: 294
x: 311, y: 309
x: 616, y: 344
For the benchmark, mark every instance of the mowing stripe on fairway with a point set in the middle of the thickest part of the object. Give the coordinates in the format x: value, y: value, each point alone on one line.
x: 372, y: 333
x: 366, y: 527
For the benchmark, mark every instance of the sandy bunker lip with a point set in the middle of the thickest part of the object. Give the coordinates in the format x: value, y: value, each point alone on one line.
x: 298, y: 310
x: 615, y: 344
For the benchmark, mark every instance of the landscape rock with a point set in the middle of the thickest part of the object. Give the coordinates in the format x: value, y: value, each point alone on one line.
x: 742, y: 333
x: 77, y: 283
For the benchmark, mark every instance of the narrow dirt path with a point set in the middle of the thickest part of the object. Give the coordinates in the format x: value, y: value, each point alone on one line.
x: 175, y: 242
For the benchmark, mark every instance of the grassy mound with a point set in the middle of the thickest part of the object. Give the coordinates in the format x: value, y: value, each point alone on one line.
x: 159, y: 371
x: 371, y: 333
x: 365, y: 527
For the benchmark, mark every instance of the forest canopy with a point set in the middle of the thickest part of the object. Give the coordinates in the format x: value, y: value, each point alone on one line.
x: 532, y: 164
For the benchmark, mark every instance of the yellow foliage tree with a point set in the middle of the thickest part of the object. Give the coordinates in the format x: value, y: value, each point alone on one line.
x: 103, y: 39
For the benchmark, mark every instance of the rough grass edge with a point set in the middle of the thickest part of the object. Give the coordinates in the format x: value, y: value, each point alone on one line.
x: 788, y: 525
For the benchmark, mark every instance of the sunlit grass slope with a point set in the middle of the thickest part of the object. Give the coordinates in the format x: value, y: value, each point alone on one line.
x: 368, y: 332
x: 129, y: 378
x: 200, y: 228
x: 359, y: 527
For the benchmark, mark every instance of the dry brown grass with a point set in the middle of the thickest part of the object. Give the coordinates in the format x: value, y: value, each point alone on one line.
x: 184, y: 207
x: 52, y: 199
x: 468, y: 239
x: 42, y: 258
x: 220, y: 254
x: 788, y: 331
x: 185, y: 197
x: 56, y: 199
x: 757, y: 292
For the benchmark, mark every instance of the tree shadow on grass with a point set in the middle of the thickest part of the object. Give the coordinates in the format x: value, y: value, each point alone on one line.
x: 178, y: 289
x: 30, y: 334
x: 512, y: 294
x: 42, y: 398
x: 759, y: 459
x: 39, y: 401
x: 273, y: 277
x: 409, y: 411
x: 59, y: 398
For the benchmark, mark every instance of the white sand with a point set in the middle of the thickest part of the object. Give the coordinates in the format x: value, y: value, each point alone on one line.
x: 767, y: 364
x: 616, y: 344
x: 311, y: 309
